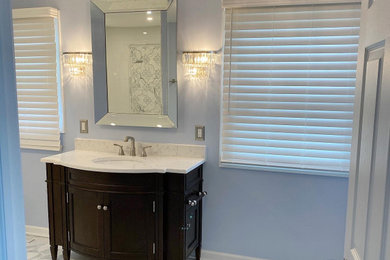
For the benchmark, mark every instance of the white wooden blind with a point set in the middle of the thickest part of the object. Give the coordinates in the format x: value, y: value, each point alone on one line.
x: 288, y: 86
x: 37, y: 57
x: 263, y: 3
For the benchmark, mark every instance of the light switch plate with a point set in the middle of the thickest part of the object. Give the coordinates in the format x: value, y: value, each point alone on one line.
x: 84, y: 126
x: 199, y: 133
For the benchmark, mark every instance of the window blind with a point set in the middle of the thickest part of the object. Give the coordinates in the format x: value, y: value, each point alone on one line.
x: 38, y: 78
x: 288, y: 86
x: 263, y: 3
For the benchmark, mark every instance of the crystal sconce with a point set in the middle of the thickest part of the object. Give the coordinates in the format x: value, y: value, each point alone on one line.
x: 77, y: 62
x: 198, y: 63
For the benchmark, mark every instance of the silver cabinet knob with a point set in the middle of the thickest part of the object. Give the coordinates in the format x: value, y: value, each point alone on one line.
x: 105, y: 208
x: 192, y: 203
x: 99, y: 207
x: 202, y: 193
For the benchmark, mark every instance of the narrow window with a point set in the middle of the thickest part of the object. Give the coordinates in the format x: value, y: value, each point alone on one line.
x: 38, y: 77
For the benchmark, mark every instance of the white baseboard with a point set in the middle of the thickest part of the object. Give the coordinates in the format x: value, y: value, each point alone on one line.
x: 37, y: 231
x: 212, y: 255
x: 206, y: 254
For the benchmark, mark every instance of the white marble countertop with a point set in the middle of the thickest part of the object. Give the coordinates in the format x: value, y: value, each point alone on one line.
x: 109, y: 162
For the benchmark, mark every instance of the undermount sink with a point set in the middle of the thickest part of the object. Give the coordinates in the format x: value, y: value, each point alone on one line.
x: 123, y: 160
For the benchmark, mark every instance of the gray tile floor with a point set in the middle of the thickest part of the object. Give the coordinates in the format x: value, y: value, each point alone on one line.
x: 38, y: 249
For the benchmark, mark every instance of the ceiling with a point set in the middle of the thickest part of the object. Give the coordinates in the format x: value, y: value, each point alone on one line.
x: 135, y: 19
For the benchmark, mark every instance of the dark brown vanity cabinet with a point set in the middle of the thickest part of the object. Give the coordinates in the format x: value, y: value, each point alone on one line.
x: 123, y: 216
x: 183, y: 207
x: 122, y: 224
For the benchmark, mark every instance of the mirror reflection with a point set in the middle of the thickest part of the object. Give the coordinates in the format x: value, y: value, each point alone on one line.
x: 133, y: 42
x: 135, y: 65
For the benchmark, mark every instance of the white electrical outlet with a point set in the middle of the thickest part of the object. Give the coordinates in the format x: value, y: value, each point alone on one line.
x: 199, y: 133
x: 84, y: 126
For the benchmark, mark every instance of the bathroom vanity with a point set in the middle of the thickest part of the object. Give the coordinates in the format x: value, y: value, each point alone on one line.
x: 121, y: 207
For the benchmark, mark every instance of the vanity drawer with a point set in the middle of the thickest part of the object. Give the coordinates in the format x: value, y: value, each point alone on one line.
x: 117, y: 182
x: 194, y: 177
x: 185, y: 183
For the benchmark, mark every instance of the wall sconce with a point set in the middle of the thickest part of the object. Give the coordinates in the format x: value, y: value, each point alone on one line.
x: 77, y: 62
x: 198, y: 63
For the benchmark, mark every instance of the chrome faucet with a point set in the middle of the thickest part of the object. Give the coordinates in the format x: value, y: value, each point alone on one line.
x: 132, y: 139
x: 121, y: 152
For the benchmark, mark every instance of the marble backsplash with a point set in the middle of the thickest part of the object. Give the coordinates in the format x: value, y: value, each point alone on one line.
x: 157, y: 149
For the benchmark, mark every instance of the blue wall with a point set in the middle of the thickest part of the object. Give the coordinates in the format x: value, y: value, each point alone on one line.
x: 266, y: 215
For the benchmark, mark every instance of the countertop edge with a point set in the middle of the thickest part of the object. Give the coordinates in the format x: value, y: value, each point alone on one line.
x: 146, y: 170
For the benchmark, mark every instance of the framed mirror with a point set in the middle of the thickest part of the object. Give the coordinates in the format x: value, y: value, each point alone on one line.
x: 134, y: 62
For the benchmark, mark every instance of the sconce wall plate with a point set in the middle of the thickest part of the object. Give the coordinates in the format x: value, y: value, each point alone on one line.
x: 77, y: 62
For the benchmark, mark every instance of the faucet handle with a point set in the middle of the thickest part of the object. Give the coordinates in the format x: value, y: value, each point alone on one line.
x: 121, y: 152
x: 144, y: 154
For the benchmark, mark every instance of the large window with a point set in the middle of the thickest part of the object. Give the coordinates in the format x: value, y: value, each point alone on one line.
x: 288, y: 87
x: 38, y: 77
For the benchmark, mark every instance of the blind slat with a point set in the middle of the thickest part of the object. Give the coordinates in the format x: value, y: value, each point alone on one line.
x: 290, y: 105
x: 288, y: 87
x: 293, y: 32
x: 311, y: 90
x: 336, y: 65
x: 287, y: 121
x: 38, y: 117
x: 291, y: 57
x: 287, y: 136
x: 35, y: 59
x: 288, y: 144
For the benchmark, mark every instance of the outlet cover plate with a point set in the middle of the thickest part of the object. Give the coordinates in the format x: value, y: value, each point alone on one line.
x: 199, y: 133
x: 84, y: 126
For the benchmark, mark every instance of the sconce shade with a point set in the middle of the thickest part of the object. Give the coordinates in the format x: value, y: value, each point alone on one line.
x: 198, y: 64
x: 77, y: 62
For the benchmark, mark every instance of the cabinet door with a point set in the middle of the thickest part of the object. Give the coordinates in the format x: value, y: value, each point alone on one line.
x: 192, y: 229
x: 130, y: 226
x: 86, y: 221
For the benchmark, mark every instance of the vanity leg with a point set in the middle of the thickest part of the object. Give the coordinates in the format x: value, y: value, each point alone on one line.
x: 66, y: 254
x: 198, y: 253
x: 54, y: 251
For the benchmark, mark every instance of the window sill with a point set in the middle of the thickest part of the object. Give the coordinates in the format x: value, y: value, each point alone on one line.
x: 283, y: 170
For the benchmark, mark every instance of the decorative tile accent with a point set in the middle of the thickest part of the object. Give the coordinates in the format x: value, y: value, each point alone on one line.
x: 145, y: 79
x: 157, y: 149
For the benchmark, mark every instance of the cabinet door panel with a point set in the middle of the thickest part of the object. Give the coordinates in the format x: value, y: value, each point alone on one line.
x: 86, y: 221
x: 129, y: 226
x: 192, y: 229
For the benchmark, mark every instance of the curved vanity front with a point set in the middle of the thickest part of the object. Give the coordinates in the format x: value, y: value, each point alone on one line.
x: 124, y: 207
